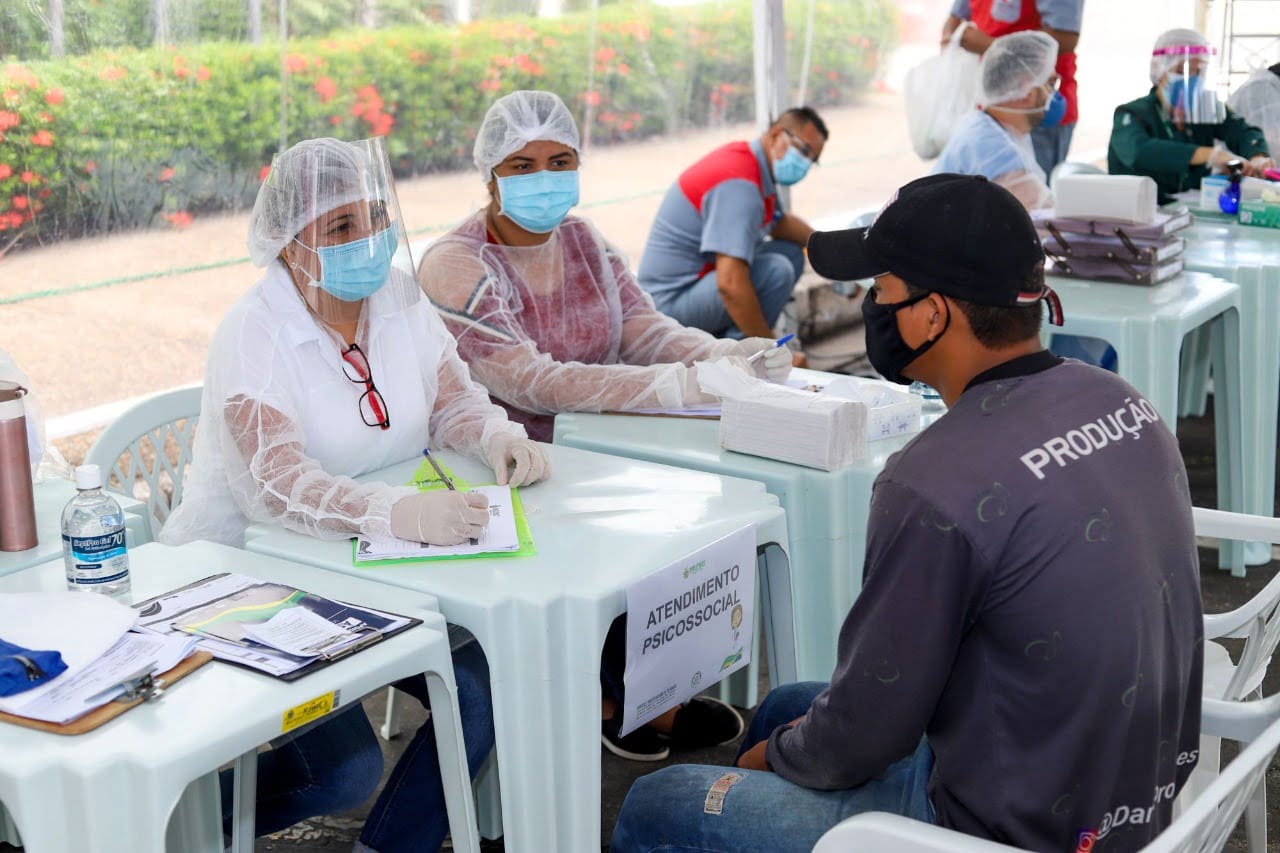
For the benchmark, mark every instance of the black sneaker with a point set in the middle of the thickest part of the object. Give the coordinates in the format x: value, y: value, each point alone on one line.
x: 643, y: 744
x: 704, y: 722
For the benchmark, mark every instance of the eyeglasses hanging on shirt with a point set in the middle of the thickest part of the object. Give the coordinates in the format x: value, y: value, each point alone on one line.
x: 373, y: 408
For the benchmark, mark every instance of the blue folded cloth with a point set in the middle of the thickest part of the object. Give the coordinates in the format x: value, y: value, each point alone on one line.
x: 22, y: 669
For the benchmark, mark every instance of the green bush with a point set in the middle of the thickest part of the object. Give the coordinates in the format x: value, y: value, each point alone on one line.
x: 135, y: 138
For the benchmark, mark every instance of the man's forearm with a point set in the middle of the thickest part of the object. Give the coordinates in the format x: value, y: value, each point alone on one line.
x: 733, y: 281
x: 793, y: 228
x: 1066, y: 40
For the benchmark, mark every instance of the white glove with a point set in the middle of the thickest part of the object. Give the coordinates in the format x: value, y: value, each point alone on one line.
x: 528, y: 457
x: 691, y: 394
x: 440, y: 517
x: 774, y: 365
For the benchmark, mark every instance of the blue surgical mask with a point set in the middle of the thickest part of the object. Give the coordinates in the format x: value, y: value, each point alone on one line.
x: 791, y: 167
x: 1054, y: 111
x: 540, y: 201
x: 356, y: 270
x: 1182, y: 92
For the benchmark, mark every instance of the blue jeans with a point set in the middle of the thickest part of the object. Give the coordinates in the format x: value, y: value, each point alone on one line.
x: 337, y: 766
x: 775, y: 269
x: 762, y: 813
x: 1051, y: 145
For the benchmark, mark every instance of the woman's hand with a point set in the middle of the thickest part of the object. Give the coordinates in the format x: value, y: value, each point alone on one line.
x: 440, y: 517
x: 526, y: 455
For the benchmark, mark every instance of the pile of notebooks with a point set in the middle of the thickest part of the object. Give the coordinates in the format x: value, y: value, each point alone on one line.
x: 1104, y: 228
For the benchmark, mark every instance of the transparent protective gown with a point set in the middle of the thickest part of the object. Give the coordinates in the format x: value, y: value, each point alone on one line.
x: 980, y: 145
x: 1257, y: 101
x: 562, y: 326
x: 290, y: 414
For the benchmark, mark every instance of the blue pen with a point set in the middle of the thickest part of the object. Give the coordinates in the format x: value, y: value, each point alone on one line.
x: 782, y: 341
x: 443, y: 476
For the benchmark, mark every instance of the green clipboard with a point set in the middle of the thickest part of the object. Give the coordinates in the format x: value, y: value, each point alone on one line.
x: 426, y: 479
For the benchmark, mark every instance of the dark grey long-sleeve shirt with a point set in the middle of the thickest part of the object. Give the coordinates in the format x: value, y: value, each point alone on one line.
x: 1031, y: 604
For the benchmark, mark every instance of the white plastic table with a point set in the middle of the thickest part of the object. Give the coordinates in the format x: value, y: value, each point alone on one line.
x: 1147, y: 326
x: 826, y: 510
x: 1249, y: 257
x: 50, y: 498
x: 114, y: 788
x: 600, y: 523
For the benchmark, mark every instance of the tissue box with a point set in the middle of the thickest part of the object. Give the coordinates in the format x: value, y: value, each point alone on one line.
x: 823, y: 431
x: 1210, y: 188
x: 1259, y: 212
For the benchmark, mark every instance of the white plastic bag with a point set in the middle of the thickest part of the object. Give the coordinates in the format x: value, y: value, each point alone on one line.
x: 938, y: 93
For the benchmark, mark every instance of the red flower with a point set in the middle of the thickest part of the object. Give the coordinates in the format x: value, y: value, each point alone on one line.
x: 335, y: 120
x: 90, y: 167
x: 624, y: 69
x: 202, y: 74
x: 15, y: 219
x: 293, y: 63
x: 43, y: 138
x: 112, y: 72
x: 178, y: 219
x: 604, y: 54
x: 30, y: 177
x: 10, y: 96
x: 181, y: 72
x: 20, y: 202
x: 592, y: 98
x: 381, y: 124
x: 53, y: 97
x: 166, y: 174
x: 8, y: 120
x: 326, y: 89
x: 5, y: 171
x: 263, y: 172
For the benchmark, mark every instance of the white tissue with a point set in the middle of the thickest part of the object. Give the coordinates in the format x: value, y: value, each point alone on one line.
x: 1121, y: 198
x: 826, y: 430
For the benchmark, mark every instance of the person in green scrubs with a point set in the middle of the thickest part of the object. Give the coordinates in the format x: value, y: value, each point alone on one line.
x: 1180, y: 132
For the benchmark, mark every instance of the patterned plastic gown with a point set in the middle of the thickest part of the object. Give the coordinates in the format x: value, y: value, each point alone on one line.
x: 562, y: 326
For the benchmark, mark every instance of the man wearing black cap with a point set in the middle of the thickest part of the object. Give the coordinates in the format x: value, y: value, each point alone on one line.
x: 1024, y: 660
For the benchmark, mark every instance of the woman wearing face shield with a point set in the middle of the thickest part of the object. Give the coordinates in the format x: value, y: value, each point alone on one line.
x: 1180, y: 132
x: 550, y: 319
x: 546, y: 311
x: 332, y: 366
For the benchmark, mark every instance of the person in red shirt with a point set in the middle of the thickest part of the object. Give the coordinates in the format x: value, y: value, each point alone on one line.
x: 990, y: 19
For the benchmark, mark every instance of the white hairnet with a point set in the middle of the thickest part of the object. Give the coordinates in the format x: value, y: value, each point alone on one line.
x: 311, y: 178
x: 1258, y: 102
x: 517, y: 119
x: 1165, y: 55
x: 1014, y: 65
x: 561, y: 326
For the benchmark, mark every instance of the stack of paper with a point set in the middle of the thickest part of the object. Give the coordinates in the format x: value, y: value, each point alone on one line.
x: 500, y: 536
x: 827, y: 430
x: 92, y: 634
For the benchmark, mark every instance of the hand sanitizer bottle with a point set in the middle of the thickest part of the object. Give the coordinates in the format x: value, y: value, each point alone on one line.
x: 93, y: 537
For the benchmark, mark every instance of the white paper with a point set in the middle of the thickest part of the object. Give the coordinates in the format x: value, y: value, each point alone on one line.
x: 73, y: 695
x: 689, y: 625
x: 500, y: 536
x: 1122, y: 198
x: 299, y: 632
x: 80, y: 626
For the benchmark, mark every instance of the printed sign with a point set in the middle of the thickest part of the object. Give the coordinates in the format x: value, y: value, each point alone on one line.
x: 689, y: 625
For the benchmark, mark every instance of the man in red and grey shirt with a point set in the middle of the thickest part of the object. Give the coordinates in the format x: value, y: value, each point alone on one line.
x: 990, y: 19
x: 723, y: 255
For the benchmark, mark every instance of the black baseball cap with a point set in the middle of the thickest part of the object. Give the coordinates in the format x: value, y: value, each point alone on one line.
x: 960, y: 235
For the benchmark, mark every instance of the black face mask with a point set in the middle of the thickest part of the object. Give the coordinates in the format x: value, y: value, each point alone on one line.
x: 886, y: 349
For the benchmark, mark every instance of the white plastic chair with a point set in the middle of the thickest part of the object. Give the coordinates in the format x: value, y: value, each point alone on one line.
x: 1203, y: 826
x: 1257, y: 623
x: 146, y: 451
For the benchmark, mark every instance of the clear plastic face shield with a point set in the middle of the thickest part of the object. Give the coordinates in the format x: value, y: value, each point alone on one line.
x: 1186, y: 77
x: 328, y: 210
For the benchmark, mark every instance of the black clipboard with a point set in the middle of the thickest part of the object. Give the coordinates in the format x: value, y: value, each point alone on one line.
x: 326, y: 607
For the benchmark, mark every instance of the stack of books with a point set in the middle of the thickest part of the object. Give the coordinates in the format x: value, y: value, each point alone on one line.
x: 1109, y: 250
